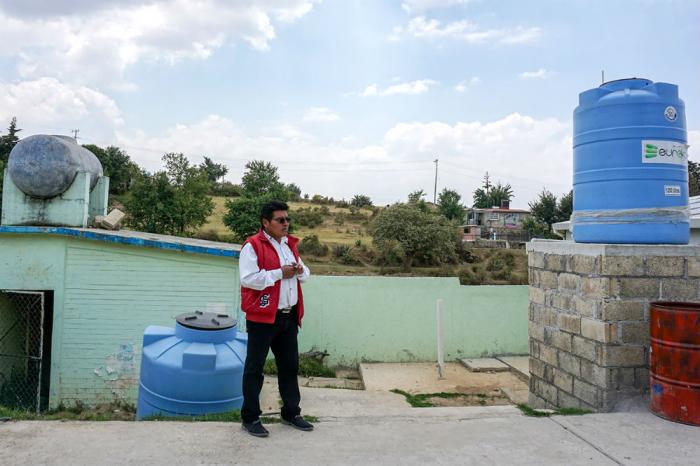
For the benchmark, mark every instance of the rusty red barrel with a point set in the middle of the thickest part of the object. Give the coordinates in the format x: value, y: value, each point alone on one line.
x: 675, y: 361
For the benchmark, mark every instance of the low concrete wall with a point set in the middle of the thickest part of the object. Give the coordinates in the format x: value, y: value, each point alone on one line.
x: 393, y: 319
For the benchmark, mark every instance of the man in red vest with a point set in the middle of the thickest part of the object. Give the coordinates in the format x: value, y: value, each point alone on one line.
x: 271, y: 273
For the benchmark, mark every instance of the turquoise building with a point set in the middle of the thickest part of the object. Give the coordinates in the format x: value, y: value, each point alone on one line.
x: 74, y: 304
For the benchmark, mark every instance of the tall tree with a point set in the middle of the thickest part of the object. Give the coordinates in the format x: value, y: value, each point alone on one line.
x: 8, y: 141
x: 500, y: 193
x: 361, y: 200
x: 565, y: 207
x: 481, y: 199
x: 693, y: 178
x: 416, y: 198
x: 492, y: 195
x: 174, y: 201
x: 243, y: 214
x: 261, y: 178
x: 260, y: 184
x: 450, y: 205
x: 294, y: 191
x: 214, y: 171
x: 544, y: 208
x: 425, y: 239
x: 117, y: 165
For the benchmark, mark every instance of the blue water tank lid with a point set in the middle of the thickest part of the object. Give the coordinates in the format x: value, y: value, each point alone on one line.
x: 627, y: 83
x: 206, y: 320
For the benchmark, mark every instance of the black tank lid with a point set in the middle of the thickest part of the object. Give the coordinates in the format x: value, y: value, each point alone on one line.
x: 206, y: 320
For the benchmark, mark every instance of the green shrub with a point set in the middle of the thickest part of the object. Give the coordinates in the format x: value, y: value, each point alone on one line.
x: 309, y: 366
x: 356, y: 215
x: 472, y: 276
x: 390, y: 254
x: 339, y: 218
x: 311, y: 245
x: 307, y: 217
x: 352, y: 257
x: 228, y: 189
x: 340, y: 250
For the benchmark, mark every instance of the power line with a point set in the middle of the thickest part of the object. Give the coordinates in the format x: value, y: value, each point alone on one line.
x: 296, y: 162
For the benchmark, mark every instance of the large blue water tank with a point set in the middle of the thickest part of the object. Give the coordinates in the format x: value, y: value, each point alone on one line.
x: 631, y: 164
x: 195, y: 368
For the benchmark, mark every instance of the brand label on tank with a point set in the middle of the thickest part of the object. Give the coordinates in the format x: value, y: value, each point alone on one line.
x: 664, y: 152
x: 672, y: 190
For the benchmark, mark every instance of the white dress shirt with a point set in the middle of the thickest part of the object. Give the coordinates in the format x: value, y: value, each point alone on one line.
x: 256, y: 278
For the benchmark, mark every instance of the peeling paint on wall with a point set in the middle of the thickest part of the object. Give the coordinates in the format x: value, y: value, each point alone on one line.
x: 119, y: 370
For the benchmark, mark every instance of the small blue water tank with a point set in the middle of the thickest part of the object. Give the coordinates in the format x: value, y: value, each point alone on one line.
x: 195, y: 368
x: 631, y: 164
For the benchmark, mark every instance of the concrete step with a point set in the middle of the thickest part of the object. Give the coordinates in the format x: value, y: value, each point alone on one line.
x: 520, y: 365
x: 484, y: 365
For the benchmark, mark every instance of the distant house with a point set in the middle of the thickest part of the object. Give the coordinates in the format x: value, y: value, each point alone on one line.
x: 496, y: 223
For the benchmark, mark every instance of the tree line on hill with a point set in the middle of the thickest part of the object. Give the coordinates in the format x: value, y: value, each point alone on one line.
x: 177, y: 200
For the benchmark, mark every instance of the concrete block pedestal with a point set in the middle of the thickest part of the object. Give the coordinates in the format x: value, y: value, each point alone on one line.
x: 77, y: 207
x: 589, y: 317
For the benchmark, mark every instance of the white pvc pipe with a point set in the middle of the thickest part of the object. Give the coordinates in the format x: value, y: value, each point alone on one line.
x: 440, y: 339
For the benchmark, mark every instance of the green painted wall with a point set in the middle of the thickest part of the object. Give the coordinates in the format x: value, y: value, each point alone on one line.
x: 393, y: 319
x: 112, y: 293
x: 33, y: 264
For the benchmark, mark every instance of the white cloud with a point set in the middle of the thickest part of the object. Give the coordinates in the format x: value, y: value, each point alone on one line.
x: 465, y: 85
x: 694, y: 143
x: 526, y: 152
x: 539, y: 74
x: 422, y: 5
x: 422, y: 28
x: 319, y: 115
x: 47, y: 105
x: 412, y: 88
x: 96, y: 44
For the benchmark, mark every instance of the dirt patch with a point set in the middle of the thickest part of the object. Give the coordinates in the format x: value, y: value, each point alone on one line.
x: 494, y: 397
x: 419, y: 383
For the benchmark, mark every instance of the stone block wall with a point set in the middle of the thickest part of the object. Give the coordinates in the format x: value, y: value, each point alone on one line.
x: 589, y: 317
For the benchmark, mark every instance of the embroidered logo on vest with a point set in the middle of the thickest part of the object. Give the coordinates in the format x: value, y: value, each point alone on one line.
x: 264, y: 300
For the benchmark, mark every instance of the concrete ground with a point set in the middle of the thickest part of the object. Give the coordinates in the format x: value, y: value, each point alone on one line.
x: 364, y: 427
x: 423, y: 378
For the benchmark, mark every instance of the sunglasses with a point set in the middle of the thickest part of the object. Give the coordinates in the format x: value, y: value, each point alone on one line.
x: 281, y: 220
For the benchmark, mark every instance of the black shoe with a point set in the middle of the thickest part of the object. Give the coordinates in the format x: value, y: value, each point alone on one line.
x: 298, y: 422
x: 255, y: 428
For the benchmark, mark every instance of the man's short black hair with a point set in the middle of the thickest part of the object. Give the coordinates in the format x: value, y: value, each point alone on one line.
x: 269, y: 207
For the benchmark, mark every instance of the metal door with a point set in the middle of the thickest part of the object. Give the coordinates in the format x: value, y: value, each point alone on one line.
x: 21, y: 348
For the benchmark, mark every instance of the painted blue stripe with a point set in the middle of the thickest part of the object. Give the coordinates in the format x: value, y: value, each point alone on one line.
x: 94, y: 236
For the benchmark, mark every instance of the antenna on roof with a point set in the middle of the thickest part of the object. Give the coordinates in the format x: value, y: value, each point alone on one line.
x: 602, y: 76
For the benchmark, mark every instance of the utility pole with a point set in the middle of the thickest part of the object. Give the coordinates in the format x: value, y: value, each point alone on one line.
x: 487, y: 183
x: 75, y: 134
x: 435, y: 190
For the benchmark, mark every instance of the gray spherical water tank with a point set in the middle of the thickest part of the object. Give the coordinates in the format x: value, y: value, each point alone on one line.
x: 45, y: 166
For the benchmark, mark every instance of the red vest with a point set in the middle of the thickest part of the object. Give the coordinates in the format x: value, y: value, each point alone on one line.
x: 261, y: 305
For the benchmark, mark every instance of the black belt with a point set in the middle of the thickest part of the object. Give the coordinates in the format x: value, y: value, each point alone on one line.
x: 286, y: 310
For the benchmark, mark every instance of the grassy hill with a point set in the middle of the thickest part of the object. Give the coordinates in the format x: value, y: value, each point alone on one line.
x: 342, y: 233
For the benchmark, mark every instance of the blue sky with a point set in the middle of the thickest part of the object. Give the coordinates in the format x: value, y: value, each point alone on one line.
x: 345, y: 97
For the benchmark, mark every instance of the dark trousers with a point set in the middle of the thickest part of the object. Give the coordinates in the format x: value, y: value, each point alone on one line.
x: 281, y: 338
